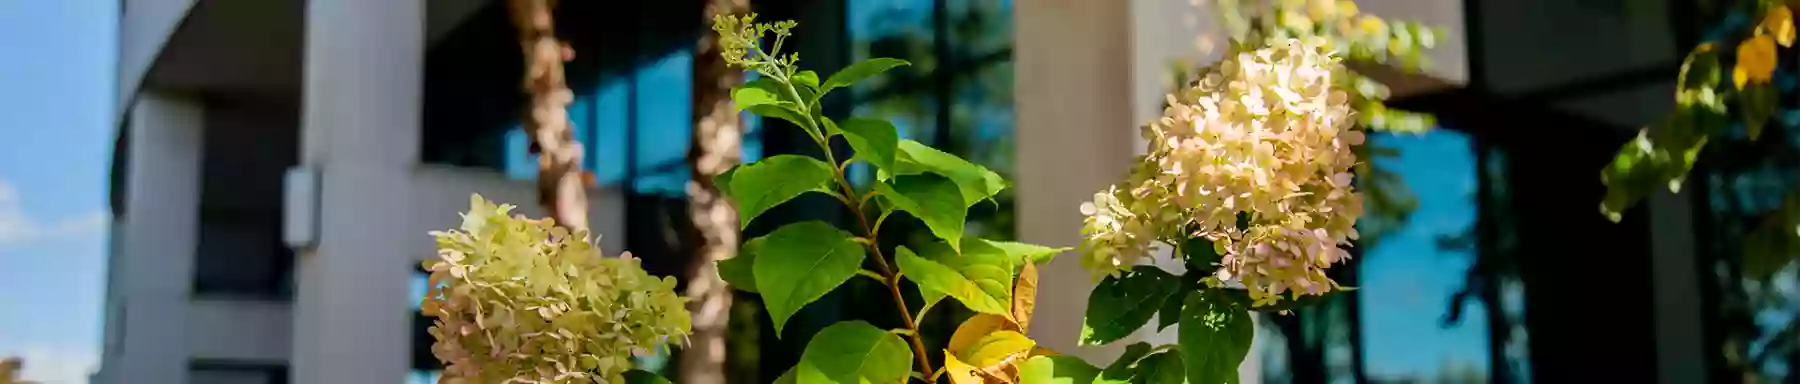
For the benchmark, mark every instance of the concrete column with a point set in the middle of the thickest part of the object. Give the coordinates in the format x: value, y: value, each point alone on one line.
x: 1072, y: 62
x: 364, y: 65
x: 1680, y: 332
x: 162, y: 215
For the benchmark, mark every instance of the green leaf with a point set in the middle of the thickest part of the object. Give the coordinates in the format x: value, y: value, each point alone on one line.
x: 1014, y: 251
x: 1121, y: 368
x: 931, y: 199
x: 853, y: 352
x: 642, y: 377
x: 808, y: 79
x: 755, y: 93
x: 1120, y: 305
x: 1057, y: 370
x: 787, y: 377
x: 981, y: 286
x: 1199, y: 255
x: 874, y: 140
x: 1163, y: 367
x: 760, y: 186
x: 801, y: 262
x: 859, y: 71
x: 1758, y: 104
x: 1170, y: 312
x: 785, y: 112
x: 974, y: 181
x: 738, y: 270
x: 1214, y: 338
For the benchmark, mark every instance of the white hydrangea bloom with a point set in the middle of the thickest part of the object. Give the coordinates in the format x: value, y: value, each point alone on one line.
x: 521, y: 300
x: 1255, y: 157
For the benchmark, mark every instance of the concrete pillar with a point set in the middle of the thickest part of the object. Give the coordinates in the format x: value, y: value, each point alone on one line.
x: 1675, y: 299
x: 1072, y: 89
x: 360, y: 129
x: 156, y: 263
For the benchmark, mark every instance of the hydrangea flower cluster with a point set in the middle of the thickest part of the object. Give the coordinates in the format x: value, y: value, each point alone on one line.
x: 521, y: 300
x: 1254, y: 157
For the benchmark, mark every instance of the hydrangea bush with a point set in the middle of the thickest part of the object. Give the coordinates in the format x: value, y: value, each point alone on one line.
x: 1254, y: 158
x: 518, y: 300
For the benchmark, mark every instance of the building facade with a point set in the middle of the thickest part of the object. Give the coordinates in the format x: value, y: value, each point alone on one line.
x: 392, y: 112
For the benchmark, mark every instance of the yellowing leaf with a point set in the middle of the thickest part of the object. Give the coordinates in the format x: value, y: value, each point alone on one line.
x: 976, y: 327
x: 994, y: 352
x: 1779, y: 22
x: 959, y: 372
x: 1025, y: 296
x: 1755, y: 61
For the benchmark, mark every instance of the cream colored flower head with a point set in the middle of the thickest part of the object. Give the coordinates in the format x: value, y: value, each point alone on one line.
x: 521, y: 300
x: 1255, y: 157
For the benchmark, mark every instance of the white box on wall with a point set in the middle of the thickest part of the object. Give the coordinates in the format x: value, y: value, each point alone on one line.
x: 300, y: 208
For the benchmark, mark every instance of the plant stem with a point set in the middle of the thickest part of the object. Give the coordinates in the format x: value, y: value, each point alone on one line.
x: 892, y: 279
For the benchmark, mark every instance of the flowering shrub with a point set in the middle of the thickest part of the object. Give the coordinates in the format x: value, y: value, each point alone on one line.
x: 1255, y: 158
x: 521, y: 300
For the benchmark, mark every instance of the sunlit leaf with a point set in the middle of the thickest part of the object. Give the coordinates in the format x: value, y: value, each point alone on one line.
x: 760, y: 186
x: 859, y: 71
x: 853, y: 352
x: 976, y: 183
x: 737, y: 271
x: 874, y: 140
x: 801, y: 262
x: 930, y: 198
x: 982, y: 287
x: 1057, y: 370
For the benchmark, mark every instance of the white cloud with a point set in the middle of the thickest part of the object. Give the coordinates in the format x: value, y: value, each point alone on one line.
x: 18, y: 227
x: 55, y: 365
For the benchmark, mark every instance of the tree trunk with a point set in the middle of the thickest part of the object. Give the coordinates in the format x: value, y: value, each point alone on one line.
x: 716, y: 147
x: 562, y: 188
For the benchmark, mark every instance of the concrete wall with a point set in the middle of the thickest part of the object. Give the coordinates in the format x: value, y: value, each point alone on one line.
x: 159, y: 240
x: 145, y: 26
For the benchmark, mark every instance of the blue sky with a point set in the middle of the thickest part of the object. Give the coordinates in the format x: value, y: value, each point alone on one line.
x: 1408, y: 280
x: 56, y: 87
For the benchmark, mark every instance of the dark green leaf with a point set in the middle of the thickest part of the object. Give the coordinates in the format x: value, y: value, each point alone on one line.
x: 975, y: 182
x: 1120, y: 305
x: 1170, y: 311
x: 859, y: 71
x: 1199, y: 255
x: 759, y: 186
x: 1163, y: 367
x: 1057, y: 370
x: 738, y: 271
x: 933, y: 200
x: 1757, y: 104
x: 1121, y: 367
x: 874, y: 140
x: 801, y: 262
x: 981, y: 285
x: 641, y: 377
x: 853, y: 352
x: 1214, y: 338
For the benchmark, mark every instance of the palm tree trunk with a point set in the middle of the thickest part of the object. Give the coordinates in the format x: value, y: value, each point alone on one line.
x: 561, y: 183
x: 716, y: 147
